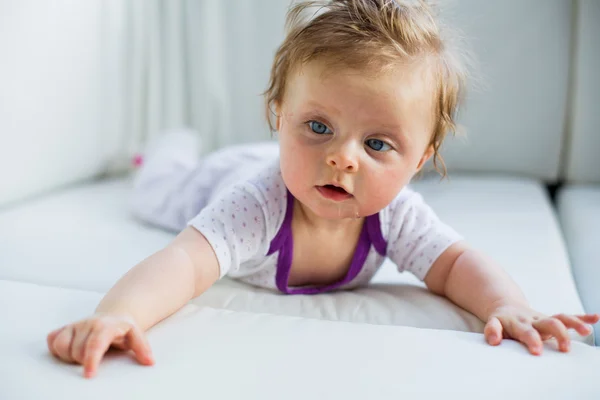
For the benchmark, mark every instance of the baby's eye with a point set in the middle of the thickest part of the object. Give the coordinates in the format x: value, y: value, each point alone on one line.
x: 378, y: 145
x: 319, y: 128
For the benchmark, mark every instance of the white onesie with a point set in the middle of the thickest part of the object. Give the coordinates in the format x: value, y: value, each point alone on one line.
x: 245, y: 214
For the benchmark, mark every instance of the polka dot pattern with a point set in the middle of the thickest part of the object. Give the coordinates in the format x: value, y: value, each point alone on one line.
x: 416, y: 236
x: 241, y: 222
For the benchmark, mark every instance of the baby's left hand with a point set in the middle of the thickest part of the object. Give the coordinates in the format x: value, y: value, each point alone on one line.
x: 531, y: 327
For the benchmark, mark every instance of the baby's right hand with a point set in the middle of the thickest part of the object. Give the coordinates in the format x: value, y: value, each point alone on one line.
x: 85, y: 342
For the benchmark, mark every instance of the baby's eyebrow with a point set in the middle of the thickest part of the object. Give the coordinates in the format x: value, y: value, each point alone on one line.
x: 329, y: 109
x: 398, y: 134
x: 393, y: 129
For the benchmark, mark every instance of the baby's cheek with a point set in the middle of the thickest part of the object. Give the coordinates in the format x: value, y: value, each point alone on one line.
x: 291, y: 168
x: 297, y: 165
x: 385, y: 186
x: 377, y: 199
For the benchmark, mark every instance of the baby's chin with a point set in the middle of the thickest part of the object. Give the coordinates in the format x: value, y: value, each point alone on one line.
x: 339, y: 211
x: 332, y: 210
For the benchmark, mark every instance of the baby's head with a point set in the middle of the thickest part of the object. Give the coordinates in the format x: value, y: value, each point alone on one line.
x: 362, y: 94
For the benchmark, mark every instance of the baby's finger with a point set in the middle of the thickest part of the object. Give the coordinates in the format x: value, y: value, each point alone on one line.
x: 62, y: 344
x: 555, y: 328
x: 493, y: 331
x: 96, y: 346
x: 52, y: 335
x: 573, y: 322
x: 527, y: 335
x: 589, y: 318
x: 140, y: 346
x: 51, y: 338
x: 80, y: 336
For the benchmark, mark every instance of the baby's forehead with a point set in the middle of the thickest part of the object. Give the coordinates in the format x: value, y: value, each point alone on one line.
x: 419, y: 72
x: 399, y: 81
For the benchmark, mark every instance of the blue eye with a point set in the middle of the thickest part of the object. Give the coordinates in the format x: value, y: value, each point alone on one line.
x: 378, y: 145
x: 319, y: 128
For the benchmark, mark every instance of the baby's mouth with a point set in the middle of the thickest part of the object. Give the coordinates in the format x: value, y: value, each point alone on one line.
x: 334, y: 193
x: 336, y: 188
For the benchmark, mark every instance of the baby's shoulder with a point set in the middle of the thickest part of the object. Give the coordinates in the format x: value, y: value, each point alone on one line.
x: 405, y: 200
x: 254, y: 203
x: 268, y: 181
x: 260, y: 188
x: 407, y: 205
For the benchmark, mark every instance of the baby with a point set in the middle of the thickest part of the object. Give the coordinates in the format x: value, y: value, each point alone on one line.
x: 361, y: 95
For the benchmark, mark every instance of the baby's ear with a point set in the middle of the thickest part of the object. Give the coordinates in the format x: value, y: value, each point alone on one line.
x: 426, y: 156
x: 277, y: 111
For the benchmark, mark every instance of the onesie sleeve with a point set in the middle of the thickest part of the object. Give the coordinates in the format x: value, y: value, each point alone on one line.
x: 416, y: 236
x: 236, y: 226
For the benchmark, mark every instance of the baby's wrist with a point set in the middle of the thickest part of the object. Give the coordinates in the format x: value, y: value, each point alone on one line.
x: 501, y: 303
x: 116, y: 313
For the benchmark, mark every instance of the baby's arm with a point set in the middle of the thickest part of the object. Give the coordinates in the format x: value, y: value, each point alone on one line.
x: 151, y: 291
x: 477, y: 284
x: 164, y: 282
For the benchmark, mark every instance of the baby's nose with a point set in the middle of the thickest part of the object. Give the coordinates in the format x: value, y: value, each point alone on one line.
x: 344, y: 161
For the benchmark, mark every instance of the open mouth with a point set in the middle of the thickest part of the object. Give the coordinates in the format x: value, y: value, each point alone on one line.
x: 333, y: 192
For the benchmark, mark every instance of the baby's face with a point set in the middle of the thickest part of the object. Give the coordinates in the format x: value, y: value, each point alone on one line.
x: 348, y: 143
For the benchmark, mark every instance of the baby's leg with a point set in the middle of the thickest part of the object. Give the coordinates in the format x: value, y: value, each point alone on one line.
x: 162, y: 194
x: 174, y: 184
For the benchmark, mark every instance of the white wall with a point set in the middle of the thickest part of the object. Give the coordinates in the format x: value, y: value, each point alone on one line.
x: 52, y: 90
x: 85, y: 83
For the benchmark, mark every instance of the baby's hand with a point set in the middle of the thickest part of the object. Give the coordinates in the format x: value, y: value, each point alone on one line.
x: 86, y: 341
x: 531, y: 327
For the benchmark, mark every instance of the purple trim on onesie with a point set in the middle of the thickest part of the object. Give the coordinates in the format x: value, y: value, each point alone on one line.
x: 284, y: 243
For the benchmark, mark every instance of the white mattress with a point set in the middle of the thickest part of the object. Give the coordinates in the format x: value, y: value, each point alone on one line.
x: 207, y: 353
x: 579, y: 210
x: 83, y: 238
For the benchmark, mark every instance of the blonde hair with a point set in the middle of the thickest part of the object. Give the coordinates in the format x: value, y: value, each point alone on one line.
x: 372, y: 35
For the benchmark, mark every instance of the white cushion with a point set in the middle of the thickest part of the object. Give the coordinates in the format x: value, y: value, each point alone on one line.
x: 579, y: 211
x: 84, y: 238
x: 205, y: 353
x: 583, y: 163
x: 514, y: 116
